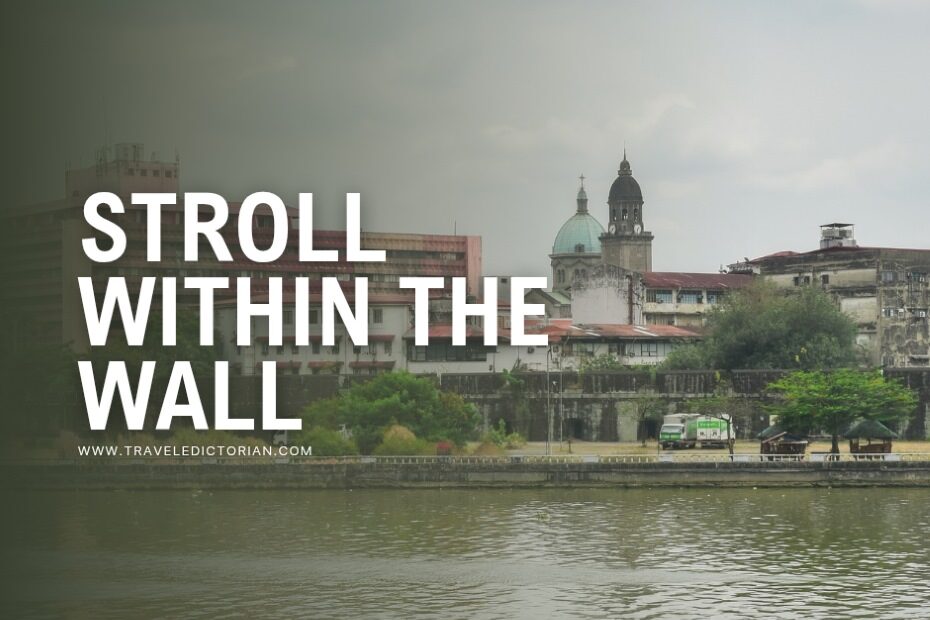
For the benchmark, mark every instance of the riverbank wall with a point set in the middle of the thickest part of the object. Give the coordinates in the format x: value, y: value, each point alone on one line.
x: 441, y: 474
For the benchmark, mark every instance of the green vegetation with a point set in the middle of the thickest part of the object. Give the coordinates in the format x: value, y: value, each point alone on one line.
x: 187, y: 348
x: 762, y: 327
x: 399, y: 441
x: 397, y: 398
x: 604, y: 361
x: 514, y: 390
x: 326, y: 442
x: 501, y: 438
x: 648, y: 405
x: 832, y: 401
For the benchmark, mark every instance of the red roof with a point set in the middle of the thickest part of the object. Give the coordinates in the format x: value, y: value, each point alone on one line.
x: 836, y: 249
x: 675, y: 279
x: 559, y: 330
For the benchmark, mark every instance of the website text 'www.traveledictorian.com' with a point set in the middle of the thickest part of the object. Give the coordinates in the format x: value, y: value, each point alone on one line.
x: 192, y: 451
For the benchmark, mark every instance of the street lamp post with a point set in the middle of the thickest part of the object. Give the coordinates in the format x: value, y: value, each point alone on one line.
x: 548, y: 402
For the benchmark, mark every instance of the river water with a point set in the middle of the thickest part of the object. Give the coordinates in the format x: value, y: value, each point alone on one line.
x: 811, y: 553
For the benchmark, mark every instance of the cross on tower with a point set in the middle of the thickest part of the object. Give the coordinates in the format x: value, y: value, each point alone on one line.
x: 582, y: 181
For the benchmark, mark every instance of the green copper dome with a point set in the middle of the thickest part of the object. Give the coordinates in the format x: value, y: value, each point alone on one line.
x: 579, y: 235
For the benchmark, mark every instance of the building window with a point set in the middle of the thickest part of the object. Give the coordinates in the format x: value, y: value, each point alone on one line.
x: 714, y: 297
x: 659, y: 296
x: 377, y: 315
x: 585, y: 349
x: 445, y: 352
x: 314, y: 317
x: 825, y: 279
x: 143, y: 172
x: 690, y: 297
x: 625, y: 214
x: 281, y: 350
x: 293, y: 348
x: 315, y: 347
x: 265, y: 221
x: 264, y: 348
x: 579, y: 248
x: 288, y: 317
x: 649, y: 349
x: 168, y: 174
x: 155, y: 173
x: 336, y: 346
x: 889, y: 276
x: 388, y: 348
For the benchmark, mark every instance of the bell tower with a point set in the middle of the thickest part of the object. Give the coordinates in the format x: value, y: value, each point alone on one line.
x: 626, y: 243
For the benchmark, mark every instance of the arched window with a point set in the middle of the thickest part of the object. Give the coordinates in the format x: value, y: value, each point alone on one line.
x: 625, y: 214
x: 636, y: 214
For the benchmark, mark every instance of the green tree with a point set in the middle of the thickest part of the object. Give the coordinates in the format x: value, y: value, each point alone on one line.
x: 832, y: 401
x: 646, y: 406
x: 187, y: 348
x: 763, y: 327
x: 368, y: 408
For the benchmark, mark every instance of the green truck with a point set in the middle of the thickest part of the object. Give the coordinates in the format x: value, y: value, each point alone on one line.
x: 690, y: 430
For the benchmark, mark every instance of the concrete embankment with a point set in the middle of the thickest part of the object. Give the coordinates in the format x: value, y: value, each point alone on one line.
x: 441, y: 474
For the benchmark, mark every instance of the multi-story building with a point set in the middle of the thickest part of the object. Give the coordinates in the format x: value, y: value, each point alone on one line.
x: 682, y: 299
x: 44, y: 257
x: 603, y: 276
x: 884, y: 290
x: 391, y: 343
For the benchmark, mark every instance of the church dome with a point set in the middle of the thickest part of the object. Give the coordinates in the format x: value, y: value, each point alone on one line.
x: 625, y: 187
x: 579, y: 235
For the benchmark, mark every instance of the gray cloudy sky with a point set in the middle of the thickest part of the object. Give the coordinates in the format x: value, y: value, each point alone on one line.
x: 748, y: 124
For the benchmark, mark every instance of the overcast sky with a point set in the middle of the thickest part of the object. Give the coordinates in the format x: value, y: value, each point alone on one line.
x: 747, y: 124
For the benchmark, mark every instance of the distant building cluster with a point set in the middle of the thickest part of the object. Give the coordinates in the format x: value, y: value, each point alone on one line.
x: 605, y: 302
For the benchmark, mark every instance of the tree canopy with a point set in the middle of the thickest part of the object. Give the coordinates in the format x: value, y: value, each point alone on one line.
x: 397, y: 398
x: 763, y: 327
x: 832, y: 401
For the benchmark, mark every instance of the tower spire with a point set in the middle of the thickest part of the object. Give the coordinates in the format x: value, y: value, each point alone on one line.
x: 582, y: 197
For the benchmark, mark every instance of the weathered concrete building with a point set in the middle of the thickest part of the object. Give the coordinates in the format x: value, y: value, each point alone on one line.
x: 884, y: 290
x: 603, y: 276
x: 43, y: 256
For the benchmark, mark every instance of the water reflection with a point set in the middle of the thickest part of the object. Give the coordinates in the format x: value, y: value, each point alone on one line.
x: 816, y: 553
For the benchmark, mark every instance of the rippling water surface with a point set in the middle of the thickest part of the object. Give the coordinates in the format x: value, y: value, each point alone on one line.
x: 812, y: 553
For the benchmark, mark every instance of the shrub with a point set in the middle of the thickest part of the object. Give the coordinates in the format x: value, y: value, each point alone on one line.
x: 212, y: 437
x: 488, y: 448
x: 326, y: 442
x: 501, y: 438
x: 400, y: 441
